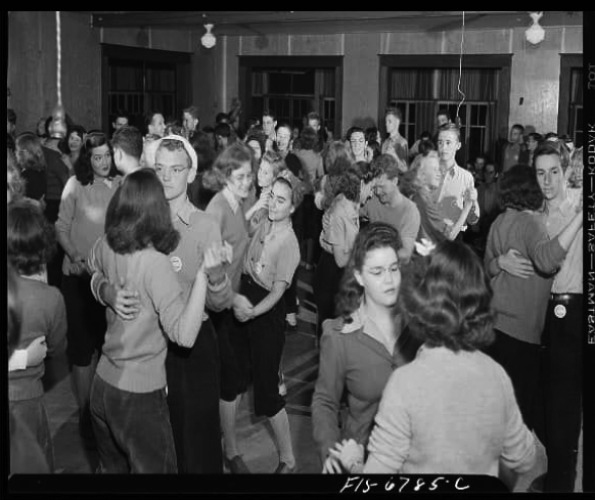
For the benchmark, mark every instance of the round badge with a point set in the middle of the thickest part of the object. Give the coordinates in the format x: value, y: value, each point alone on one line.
x: 258, y: 268
x: 176, y: 263
x: 560, y: 311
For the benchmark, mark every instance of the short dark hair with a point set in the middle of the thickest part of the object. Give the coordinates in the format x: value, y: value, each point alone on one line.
x: 268, y: 112
x: 353, y: 130
x: 425, y: 135
x: 149, y: 118
x: 450, y: 127
x: 11, y: 116
x: 308, y: 138
x: 313, y: 115
x: 393, y: 110
x: 519, y: 189
x: 386, y: 164
x: 444, y: 112
x: 83, y: 169
x: 138, y: 215
x: 374, y: 235
x: 223, y: 129
x: 31, y: 239
x: 220, y: 117
x: 205, y: 153
x: 518, y: 126
x: 120, y: 113
x: 130, y: 140
x: 557, y: 148
x: 450, y: 306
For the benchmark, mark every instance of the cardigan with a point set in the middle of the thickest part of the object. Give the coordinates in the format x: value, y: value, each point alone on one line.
x: 352, y: 360
x: 449, y: 413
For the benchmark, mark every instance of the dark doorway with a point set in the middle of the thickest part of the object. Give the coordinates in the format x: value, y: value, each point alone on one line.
x: 137, y: 81
x: 291, y: 87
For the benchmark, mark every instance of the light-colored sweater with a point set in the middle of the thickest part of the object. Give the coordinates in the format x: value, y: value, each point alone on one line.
x: 449, y: 413
x: 134, y: 350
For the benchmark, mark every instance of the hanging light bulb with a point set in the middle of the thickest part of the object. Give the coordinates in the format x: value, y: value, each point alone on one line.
x: 58, y: 128
x: 535, y: 34
x: 208, y: 40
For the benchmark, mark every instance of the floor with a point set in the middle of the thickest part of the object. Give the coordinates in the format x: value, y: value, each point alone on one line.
x: 300, y: 366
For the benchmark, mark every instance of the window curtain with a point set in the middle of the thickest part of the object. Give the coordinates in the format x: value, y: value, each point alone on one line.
x: 476, y: 84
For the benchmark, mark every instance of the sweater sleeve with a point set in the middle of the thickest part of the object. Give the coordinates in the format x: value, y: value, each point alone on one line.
x: 328, y: 391
x: 67, y: 207
x: 56, y: 336
x: 168, y: 299
x: 390, y: 439
x: 518, y: 450
x: 546, y: 254
x: 219, y: 296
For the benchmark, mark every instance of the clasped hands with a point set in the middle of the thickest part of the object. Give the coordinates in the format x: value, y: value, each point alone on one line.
x: 126, y: 302
x: 347, y: 454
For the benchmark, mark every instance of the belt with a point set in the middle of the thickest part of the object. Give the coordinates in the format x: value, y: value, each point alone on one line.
x: 565, y: 297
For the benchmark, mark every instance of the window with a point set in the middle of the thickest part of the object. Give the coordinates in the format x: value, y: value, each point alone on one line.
x: 422, y: 85
x: 570, y: 104
x: 291, y: 87
x: 137, y: 81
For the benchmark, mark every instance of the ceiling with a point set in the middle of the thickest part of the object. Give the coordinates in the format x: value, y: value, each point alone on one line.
x: 326, y: 22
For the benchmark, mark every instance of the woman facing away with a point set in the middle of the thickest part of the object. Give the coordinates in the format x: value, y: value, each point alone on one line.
x: 362, y: 347
x: 452, y: 410
x: 521, y: 303
x: 31, y: 240
x: 129, y: 407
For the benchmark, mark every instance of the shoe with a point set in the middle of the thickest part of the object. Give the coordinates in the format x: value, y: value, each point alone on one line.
x: 236, y: 465
x: 283, y: 468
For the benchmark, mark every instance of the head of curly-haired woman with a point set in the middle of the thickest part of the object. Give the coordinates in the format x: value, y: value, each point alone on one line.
x: 450, y: 306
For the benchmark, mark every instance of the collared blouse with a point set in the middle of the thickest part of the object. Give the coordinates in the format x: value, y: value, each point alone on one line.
x: 272, y: 255
x: 352, y: 359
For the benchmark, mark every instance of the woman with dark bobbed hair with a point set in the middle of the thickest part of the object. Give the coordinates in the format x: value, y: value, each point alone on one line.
x: 80, y: 222
x: 361, y: 347
x: 452, y: 410
x: 521, y: 303
x: 129, y: 407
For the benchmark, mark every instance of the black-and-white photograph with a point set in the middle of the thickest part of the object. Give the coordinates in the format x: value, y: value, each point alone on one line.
x: 340, y: 244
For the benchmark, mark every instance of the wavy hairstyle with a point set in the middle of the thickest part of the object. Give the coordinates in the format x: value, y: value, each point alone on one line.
x: 374, y: 235
x: 232, y: 158
x: 30, y: 143
x: 519, y: 189
x: 83, y: 170
x: 138, y: 215
x: 30, y: 239
x: 451, y: 305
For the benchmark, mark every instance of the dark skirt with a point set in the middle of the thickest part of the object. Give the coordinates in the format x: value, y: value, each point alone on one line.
x: 326, y: 286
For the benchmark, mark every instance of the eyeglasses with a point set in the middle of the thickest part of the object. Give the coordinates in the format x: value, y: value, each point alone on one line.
x: 176, y: 170
x: 241, y: 178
